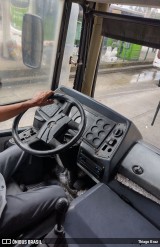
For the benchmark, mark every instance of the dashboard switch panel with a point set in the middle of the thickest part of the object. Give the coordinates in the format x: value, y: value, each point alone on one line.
x: 98, y: 131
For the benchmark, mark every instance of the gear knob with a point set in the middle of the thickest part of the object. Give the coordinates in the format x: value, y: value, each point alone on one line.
x: 61, y: 207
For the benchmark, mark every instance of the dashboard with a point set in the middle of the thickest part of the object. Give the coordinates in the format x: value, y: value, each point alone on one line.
x: 107, y: 137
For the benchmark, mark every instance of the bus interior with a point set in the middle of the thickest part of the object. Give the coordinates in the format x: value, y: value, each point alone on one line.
x: 100, y: 140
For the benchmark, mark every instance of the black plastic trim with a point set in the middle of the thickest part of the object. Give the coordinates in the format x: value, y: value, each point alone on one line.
x: 137, y: 30
x: 61, y: 44
x: 87, y: 25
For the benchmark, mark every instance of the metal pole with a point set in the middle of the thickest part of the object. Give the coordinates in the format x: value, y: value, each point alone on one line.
x: 146, y: 54
x: 155, y: 115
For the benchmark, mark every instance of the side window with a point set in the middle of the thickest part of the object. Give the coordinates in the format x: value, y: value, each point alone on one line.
x: 17, y: 82
x: 72, y: 46
x: 128, y: 78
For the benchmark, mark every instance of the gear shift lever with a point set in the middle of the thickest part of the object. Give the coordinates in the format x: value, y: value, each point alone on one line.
x: 57, y: 235
x: 61, y: 208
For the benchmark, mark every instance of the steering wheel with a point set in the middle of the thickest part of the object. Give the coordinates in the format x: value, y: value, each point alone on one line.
x: 52, y: 129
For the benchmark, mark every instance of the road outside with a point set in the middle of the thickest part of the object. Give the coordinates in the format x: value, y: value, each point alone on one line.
x: 134, y: 94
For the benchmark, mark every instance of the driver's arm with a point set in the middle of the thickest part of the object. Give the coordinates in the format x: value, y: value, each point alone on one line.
x: 39, y: 99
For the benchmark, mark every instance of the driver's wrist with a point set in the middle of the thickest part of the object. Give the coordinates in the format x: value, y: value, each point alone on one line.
x: 28, y: 104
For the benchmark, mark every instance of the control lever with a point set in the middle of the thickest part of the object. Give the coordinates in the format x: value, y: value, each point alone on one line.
x: 61, y: 208
x: 57, y: 235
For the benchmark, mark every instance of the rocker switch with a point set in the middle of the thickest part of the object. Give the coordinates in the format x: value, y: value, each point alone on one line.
x: 112, y: 142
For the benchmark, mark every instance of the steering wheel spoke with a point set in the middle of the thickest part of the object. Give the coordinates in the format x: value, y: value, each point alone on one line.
x: 73, y: 125
x: 67, y: 107
x: 54, y: 128
x: 54, y: 143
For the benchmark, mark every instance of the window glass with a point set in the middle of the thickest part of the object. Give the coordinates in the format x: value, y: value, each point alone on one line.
x: 18, y: 82
x: 72, y: 46
x: 27, y: 120
x: 128, y: 78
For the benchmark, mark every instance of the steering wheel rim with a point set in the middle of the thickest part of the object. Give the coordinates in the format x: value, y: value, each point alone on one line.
x: 62, y: 147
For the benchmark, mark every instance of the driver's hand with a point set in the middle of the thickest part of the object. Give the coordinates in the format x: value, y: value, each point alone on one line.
x: 42, y: 98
